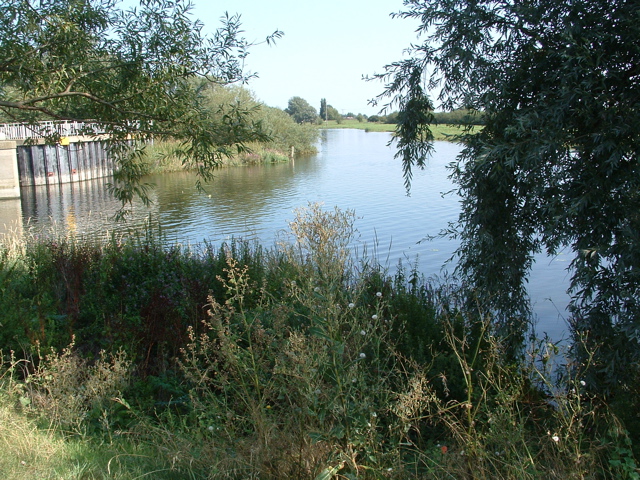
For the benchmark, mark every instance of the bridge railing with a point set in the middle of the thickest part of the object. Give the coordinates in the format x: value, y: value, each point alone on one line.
x: 21, y: 131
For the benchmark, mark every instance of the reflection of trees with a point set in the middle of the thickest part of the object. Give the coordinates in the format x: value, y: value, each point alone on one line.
x: 236, y: 194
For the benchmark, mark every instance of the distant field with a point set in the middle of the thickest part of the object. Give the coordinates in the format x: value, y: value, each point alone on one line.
x: 440, y: 132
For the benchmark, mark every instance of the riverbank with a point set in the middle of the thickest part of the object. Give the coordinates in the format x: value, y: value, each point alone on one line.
x: 296, y: 361
x: 440, y: 132
x: 162, y: 157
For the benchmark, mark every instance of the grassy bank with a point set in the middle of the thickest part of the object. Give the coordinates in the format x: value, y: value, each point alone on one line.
x: 133, y: 360
x: 440, y: 132
x: 162, y: 157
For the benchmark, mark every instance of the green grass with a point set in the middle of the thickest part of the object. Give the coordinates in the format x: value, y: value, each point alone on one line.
x: 440, y: 132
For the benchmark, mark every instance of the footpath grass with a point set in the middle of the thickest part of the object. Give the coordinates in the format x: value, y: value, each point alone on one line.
x: 133, y: 359
x: 440, y: 132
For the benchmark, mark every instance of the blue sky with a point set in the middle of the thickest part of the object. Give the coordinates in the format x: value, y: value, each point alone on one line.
x: 327, y: 47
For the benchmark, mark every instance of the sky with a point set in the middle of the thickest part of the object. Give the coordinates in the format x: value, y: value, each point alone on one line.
x: 327, y: 47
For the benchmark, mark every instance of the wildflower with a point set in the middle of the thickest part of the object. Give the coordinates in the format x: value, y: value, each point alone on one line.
x: 374, y: 414
x: 210, y: 428
x: 555, y: 438
x: 443, y: 449
x: 318, y: 391
x: 378, y: 294
x: 293, y: 283
x: 374, y: 317
x: 362, y: 332
x: 351, y: 305
x: 317, y: 289
x: 363, y: 355
x: 583, y: 383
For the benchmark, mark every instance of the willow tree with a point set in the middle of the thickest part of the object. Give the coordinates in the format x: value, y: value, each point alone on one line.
x: 556, y: 165
x: 128, y: 72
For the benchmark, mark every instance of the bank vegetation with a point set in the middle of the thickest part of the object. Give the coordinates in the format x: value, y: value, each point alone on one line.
x: 286, y: 138
x: 306, y: 360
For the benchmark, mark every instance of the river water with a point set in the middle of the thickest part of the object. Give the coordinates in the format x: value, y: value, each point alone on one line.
x: 353, y: 169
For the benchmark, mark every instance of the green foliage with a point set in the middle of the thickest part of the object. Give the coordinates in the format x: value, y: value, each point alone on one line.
x: 301, y: 110
x: 282, y: 131
x: 323, y: 109
x: 285, y: 133
x: 556, y: 165
x: 69, y: 393
x: 333, y: 114
x: 127, y: 73
x: 297, y: 362
x: 459, y: 116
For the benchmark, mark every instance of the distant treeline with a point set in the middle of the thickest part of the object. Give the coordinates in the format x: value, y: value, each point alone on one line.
x: 455, y: 117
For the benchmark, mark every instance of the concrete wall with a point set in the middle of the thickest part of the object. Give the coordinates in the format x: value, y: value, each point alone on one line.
x: 9, y: 175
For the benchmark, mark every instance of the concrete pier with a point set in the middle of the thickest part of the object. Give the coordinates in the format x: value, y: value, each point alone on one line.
x: 9, y: 174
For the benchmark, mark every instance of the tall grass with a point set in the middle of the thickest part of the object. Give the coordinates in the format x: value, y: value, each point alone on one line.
x: 134, y: 359
x: 163, y: 157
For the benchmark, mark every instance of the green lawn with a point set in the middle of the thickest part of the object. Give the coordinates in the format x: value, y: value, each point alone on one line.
x: 440, y: 132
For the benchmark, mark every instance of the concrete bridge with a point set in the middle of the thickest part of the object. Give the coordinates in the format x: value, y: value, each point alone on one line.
x: 30, y: 163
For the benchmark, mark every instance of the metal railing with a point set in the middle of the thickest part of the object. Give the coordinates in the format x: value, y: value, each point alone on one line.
x: 21, y: 131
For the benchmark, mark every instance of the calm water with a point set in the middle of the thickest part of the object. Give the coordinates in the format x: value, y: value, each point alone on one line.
x: 353, y: 170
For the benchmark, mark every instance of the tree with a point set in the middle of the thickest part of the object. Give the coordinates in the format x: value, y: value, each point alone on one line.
x: 283, y: 131
x: 301, y: 110
x: 333, y: 114
x: 323, y: 109
x: 127, y: 72
x: 557, y: 163
x: 327, y: 112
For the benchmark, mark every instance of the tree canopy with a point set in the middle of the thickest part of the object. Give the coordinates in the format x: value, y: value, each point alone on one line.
x: 130, y: 71
x: 301, y: 110
x: 281, y: 128
x: 556, y: 165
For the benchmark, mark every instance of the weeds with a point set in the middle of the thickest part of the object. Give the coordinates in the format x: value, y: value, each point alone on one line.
x: 297, y: 362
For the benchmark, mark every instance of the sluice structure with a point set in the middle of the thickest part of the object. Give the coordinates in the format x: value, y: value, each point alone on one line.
x: 25, y: 163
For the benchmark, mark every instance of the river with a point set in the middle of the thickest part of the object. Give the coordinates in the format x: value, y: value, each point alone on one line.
x: 353, y: 169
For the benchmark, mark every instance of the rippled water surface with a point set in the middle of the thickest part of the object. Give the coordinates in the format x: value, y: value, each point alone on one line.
x: 353, y: 169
